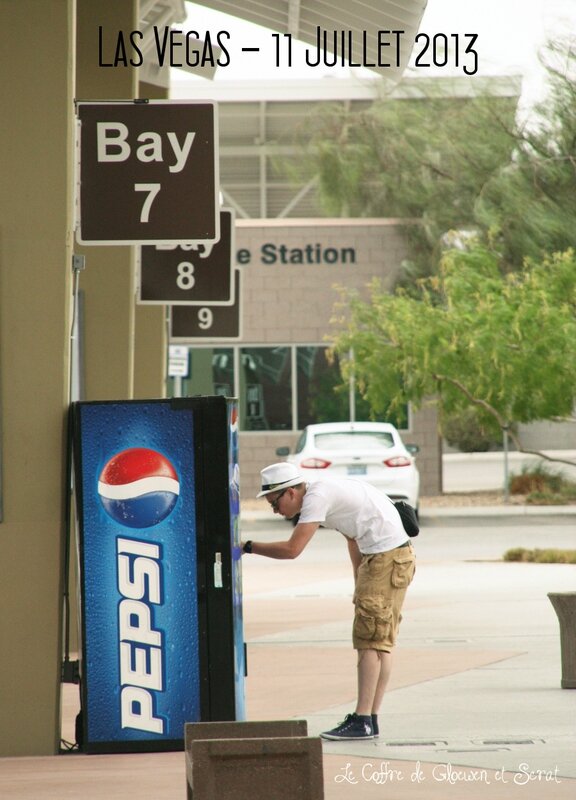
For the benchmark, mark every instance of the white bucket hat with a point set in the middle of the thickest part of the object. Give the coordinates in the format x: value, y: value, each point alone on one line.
x: 279, y: 476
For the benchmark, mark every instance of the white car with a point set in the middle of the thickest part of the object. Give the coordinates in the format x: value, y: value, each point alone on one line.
x: 369, y: 451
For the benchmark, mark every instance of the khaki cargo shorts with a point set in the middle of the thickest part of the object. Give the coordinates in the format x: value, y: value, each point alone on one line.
x: 381, y: 584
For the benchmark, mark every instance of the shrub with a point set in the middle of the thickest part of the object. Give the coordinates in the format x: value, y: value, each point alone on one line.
x: 471, y: 431
x: 545, y: 499
x: 517, y: 554
x: 549, y: 556
x: 537, y: 479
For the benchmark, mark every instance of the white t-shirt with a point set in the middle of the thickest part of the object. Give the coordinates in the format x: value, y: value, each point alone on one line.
x: 357, y: 510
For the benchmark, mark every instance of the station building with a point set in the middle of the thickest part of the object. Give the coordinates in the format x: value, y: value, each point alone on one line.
x: 292, y: 260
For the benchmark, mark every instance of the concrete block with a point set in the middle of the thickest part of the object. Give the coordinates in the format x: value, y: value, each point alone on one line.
x: 194, y: 731
x: 258, y: 769
x: 243, y: 730
x: 565, y: 606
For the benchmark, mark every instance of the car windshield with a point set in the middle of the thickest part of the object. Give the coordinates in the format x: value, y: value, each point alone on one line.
x: 359, y: 440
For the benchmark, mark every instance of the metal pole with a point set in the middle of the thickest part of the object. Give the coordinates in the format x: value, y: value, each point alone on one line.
x: 352, y: 388
x: 506, y: 471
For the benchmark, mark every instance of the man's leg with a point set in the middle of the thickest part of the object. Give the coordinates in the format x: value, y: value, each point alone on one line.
x: 374, y: 667
x: 384, y: 677
x: 381, y: 583
x: 359, y: 725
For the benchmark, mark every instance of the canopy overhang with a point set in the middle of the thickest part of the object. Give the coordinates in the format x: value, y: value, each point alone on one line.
x: 376, y: 34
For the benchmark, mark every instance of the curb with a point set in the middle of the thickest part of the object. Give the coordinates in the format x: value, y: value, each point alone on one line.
x: 497, y: 511
x: 449, y: 511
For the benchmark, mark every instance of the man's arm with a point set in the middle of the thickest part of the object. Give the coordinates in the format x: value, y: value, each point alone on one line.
x: 355, y: 555
x: 292, y: 547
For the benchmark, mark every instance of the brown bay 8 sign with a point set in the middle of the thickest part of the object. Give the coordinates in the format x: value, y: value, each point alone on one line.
x: 148, y: 172
x: 190, y: 274
x: 206, y: 322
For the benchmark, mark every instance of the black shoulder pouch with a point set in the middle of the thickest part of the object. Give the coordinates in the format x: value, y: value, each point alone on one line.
x: 408, y: 517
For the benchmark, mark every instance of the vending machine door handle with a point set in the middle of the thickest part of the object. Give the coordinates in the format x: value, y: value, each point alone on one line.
x: 218, y: 571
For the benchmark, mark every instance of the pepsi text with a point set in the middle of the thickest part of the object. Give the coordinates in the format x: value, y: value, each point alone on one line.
x: 141, y: 646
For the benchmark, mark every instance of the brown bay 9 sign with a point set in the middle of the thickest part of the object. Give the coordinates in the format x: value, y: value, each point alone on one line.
x: 148, y: 172
x: 207, y: 322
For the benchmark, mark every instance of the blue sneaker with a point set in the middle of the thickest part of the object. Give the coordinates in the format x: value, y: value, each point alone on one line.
x: 375, y: 726
x: 353, y: 727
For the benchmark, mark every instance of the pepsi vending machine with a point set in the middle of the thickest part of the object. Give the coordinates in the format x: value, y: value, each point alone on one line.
x: 157, y: 498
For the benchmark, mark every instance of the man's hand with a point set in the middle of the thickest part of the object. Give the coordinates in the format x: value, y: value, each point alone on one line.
x: 292, y: 547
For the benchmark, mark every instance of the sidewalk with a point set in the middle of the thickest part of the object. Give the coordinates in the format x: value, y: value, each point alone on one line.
x: 474, y: 709
x: 464, y: 472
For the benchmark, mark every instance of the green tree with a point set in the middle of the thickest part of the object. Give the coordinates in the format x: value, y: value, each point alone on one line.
x: 454, y: 163
x: 528, y: 208
x: 495, y: 327
x: 425, y: 160
x: 470, y: 335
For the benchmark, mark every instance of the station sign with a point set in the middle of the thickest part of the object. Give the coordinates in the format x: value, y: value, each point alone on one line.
x: 148, y: 172
x: 190, y: 274
x: 205, y: 323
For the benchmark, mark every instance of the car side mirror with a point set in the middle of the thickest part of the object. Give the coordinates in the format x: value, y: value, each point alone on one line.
x: 413, y: 449
x: 283, y: 451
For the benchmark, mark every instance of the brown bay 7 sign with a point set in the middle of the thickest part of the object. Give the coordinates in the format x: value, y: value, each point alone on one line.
x: 205, y: 323
x: 148, y: 172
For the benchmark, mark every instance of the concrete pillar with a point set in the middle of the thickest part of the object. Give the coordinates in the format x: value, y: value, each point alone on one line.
x: 108, y: 280
x: 151, y: 335
x: 36, y: 147
x: 150, y: 352
x: 124, y: 344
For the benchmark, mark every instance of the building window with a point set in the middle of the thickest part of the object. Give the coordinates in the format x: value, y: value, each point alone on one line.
x: 280, y: 388
x: 223, y: 371
x: 265, y: 389
x: 210, y: 371
x: 321, y: 395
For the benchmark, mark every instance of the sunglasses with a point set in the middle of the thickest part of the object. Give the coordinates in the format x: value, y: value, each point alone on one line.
x: 274, y: 503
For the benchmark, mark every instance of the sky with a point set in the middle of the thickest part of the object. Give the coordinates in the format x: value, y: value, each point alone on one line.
x: 510, y: 34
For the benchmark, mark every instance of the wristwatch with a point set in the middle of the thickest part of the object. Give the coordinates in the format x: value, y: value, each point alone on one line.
x: 247, y: 547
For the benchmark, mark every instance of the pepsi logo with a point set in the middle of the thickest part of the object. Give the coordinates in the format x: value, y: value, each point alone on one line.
x: 138, y: 487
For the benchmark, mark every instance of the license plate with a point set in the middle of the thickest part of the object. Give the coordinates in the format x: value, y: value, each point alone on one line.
x: 357, y: 469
